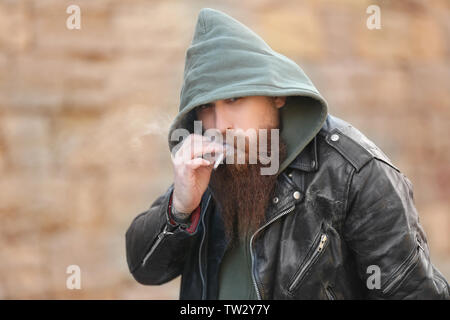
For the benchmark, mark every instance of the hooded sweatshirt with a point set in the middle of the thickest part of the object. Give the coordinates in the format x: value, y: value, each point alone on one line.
x: 226, y: 60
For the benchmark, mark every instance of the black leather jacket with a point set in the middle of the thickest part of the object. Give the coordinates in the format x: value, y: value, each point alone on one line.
x: 343, y: 213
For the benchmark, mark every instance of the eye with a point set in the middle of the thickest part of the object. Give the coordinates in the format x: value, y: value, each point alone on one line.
x: 231, y: 100
x: 204, y: 106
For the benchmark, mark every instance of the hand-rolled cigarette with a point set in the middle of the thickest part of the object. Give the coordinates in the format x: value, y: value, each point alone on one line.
x: 218, y: 161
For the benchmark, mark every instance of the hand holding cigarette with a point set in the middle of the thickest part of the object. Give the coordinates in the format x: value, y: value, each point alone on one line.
x: 193, y: 164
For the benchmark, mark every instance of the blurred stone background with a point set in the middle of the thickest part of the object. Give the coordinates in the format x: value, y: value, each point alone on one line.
x: 84, y: 116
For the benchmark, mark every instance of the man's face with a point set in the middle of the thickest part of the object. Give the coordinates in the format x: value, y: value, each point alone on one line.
x: 242, y: 193
x: 253, y: 112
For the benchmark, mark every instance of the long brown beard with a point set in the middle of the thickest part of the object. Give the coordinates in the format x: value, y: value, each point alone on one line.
x: 242, y: 194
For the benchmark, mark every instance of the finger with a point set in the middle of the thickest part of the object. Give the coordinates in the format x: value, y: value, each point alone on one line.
x: 191, y: 142
x: 202, y: 150
x: 207, y: 151
x: 197, y: 163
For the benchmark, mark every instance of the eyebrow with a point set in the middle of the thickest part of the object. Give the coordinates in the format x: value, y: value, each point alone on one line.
x: 212, y: 104
x: 207, y: 104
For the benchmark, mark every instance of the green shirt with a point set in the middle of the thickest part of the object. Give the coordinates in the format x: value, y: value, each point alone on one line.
x: 235, y: 278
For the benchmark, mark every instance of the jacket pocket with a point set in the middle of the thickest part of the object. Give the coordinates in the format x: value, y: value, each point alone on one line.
x: 402, y: 272
x: 320, y: 243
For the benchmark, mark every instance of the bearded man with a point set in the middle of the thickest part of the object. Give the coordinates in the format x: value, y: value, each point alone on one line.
x: 336, y: 220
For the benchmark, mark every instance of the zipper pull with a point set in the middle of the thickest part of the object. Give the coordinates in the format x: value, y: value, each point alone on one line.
x: 161, y: 235
x: 164, y: 233
x: 323, y: 240
x: 419, y: 242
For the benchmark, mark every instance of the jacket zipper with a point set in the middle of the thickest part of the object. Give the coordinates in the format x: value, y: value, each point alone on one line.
x: 403, y: 270
x: 251, y: 247
x: 156, y: 244
x: 307, y: 265
x: 330, y: 293
x: 200, y: 252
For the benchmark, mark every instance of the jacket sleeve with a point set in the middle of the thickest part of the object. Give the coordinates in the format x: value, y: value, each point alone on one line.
x: 156, y: 247
x: 383, y: 232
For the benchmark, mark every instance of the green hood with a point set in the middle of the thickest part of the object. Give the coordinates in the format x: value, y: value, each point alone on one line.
x: 226, y: 59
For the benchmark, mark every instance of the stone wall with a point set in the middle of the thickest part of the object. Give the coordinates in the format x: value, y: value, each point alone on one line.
x: 84, y: 116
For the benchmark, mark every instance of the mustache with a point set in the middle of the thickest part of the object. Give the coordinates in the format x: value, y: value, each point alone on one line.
x: 255, y: 149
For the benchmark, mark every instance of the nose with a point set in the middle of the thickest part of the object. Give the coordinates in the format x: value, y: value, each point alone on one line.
x: 223, y: 118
